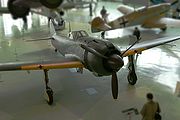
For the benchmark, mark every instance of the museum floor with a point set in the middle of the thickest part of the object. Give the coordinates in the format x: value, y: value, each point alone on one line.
x: 84, y: 96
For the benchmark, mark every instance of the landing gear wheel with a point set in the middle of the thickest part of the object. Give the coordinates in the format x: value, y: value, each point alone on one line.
x: 49, y: 92
x: 55, y: 50
x: 164, y: 29
x: 132, y: 78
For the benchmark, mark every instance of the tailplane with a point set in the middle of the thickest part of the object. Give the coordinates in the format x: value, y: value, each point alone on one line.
x: 98, y: 25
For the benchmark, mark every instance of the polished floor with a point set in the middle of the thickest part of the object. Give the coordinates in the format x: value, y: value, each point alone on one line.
x: 84, y: 96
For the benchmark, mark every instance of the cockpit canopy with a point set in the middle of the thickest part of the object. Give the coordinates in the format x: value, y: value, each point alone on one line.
x: 78, y: 34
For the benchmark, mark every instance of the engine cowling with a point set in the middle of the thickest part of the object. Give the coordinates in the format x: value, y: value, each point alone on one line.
x: 104, y: 66
x: 51, y: 3
x: 17, y: 11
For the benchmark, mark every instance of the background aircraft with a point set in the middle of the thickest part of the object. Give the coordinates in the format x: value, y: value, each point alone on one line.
x: 99, y: 56
x: 21, y: 8
x: 164, y: 1
x: 147, y: 2
x: 148, y: 17
x: 56, y: 15
x: 175, y: 6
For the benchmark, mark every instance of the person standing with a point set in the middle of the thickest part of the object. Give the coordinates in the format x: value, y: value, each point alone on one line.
x: 103, y: 35
x: 137, y: 33
x: 104, y: 14
x: 150, y: 108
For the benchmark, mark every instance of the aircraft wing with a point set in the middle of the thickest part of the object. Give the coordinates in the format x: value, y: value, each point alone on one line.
x: 124, y: 9
x: 170, y: 22
x: 41, y: 65
x: 139, y: 47
x: 162, y: 23
x: 42, y: 11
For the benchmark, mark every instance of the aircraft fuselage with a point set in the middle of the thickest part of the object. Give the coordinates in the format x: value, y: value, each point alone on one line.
x: 141, y: 15
x: 79, y: 46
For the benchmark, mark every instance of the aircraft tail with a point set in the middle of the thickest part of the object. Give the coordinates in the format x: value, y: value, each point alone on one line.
x: 52, y: 29
x: 98, y: 25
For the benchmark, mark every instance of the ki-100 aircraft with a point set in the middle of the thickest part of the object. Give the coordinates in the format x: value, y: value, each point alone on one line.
x: 99, y: 56
x: 147, y: 16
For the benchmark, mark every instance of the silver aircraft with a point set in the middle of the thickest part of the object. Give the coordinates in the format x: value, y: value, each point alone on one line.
x: 99, y: 56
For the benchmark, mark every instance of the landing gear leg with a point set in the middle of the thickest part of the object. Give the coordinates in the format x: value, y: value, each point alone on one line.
x: 90, y: 9
x: 25, y: 19
x: 25, y: 23
x: 132, y: 77
x: 49, y: 91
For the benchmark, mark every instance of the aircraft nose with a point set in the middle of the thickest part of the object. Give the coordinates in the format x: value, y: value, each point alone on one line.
x: 115, y: 62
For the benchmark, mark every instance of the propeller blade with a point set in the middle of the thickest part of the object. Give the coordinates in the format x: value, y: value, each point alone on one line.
x: 114, y: 85
x: 173, y: 3
x: 130, y: 46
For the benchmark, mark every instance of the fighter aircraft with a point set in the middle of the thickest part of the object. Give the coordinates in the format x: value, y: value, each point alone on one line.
x: 99, y: 56
x: 147, y: 16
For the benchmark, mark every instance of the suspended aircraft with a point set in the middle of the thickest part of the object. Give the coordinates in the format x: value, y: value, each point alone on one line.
x: 56, y: 15
x: 21, y: 8
x: 79, y: 4
x: 147, y: 16
x: 99, y: 56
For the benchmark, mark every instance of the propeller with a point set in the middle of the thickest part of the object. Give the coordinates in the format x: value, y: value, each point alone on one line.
x: 113, y: 63
x: 114, y: 85
x: 130, y: 45
x: 173, y: 3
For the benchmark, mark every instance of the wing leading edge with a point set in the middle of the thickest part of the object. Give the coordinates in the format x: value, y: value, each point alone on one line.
x: 139, y: 47
x: 41, y: 65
